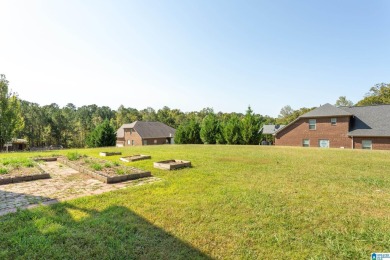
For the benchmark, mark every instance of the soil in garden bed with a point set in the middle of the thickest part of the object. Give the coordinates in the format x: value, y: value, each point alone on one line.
x: 106, y: 168
x: 13, y: 170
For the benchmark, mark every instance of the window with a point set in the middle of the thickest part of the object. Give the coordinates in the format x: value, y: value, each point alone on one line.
x: 333, y: 121
x: 128, y: 141
x: 312, y: 124
x: 132, y: 142
x: 131, y: 130
x: 155, y: 141
x: 306, y: 143
x: 367, y: 144
x: 145, y: 142
x: 323, y: 143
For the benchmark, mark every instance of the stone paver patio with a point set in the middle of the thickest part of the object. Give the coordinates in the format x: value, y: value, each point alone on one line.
x: 64, y: 184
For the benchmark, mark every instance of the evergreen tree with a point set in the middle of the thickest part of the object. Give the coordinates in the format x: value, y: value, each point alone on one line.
x: 232, y: 130
x: 188, y: 133
x: 210, y: 129
x: 102, y: 135
x: 250, y: 128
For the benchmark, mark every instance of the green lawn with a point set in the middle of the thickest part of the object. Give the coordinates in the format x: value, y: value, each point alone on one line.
x: 253, y: 202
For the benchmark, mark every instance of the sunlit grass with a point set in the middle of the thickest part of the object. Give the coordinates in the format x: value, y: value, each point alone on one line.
x: 235, y: 202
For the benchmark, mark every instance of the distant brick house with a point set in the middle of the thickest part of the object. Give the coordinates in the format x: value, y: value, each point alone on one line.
x: 144, y: 133
x: 15, y: 145
x: 364, y: 127
x: 267, y: 132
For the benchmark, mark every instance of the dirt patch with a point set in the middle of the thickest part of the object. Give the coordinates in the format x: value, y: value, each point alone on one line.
x: 109, y: 172
x: 15, y: 170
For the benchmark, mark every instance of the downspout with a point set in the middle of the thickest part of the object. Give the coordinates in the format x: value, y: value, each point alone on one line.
x: 352, y: 143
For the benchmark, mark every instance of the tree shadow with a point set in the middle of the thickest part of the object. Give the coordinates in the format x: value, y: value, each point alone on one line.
x: 13, y: 201
x: 69, y: 232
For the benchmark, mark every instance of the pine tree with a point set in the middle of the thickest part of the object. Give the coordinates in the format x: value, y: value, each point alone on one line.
x: 102, y: 135
x: 250, y: 128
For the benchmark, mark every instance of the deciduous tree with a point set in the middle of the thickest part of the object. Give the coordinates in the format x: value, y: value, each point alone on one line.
x: 11, y: 121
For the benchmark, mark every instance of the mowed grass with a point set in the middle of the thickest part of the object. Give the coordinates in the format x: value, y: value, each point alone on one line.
x: 252, y: 202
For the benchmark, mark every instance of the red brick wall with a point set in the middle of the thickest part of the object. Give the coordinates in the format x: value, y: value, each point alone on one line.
x: 133, y: 136
x: 378, y: 143
x: 139, y: 141
x: 337, y: 135
x: 158, y: 141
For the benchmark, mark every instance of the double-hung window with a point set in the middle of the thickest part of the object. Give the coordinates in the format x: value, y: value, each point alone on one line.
x: 312, y: 124
x: 367, y: 144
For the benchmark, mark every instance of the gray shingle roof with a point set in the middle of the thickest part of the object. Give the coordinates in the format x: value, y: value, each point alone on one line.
x: 270, y: 129
x: 369, y: 120
x: 120, y: 133
x: 148, y: 129
x: 326, y: 110
x: 366, y: 121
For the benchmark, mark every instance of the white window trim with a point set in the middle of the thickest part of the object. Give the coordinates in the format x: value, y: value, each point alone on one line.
x: 303, y: 142
x: 319, y: 143
x: 368, y: 148
x: 335, y: 121
x: 315, y: 124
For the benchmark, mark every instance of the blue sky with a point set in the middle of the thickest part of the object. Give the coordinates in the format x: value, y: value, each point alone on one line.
x: 194, y: 54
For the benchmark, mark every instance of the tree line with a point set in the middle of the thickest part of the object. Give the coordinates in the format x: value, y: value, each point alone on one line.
x: 72, y: 126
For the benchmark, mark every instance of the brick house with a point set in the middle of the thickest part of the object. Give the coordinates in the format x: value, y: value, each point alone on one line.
x: 15, y: 145
x: 364, y: 127
x: 144, y: 133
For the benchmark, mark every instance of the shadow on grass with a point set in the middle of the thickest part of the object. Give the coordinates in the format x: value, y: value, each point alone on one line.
x: 65, y: 231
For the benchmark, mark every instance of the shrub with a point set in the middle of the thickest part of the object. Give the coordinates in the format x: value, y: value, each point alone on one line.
x: 96, y: 167
x: 28, y: 164
x: 73, y: 156
x: 3, y: 171
x: 107, y: 165
x: 120, y: 171
x: 115, y: 163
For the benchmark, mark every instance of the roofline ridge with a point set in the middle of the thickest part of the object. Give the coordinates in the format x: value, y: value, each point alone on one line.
x: 376, y: 105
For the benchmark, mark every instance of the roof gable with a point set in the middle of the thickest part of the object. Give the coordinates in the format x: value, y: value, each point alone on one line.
x: 120, y: 133
x: 369, y: 120
x: 270, y: 129
x: 148, y: 129
x: 153, y: 129
x: 326, y: 110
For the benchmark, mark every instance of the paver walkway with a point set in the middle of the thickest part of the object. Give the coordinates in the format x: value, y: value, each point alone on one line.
x: 64, y: 184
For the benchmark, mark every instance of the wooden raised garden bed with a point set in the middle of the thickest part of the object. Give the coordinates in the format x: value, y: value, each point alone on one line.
x: 105, y: 171
x: 136, y: 157
x: 20, y: 170
x: 172, y: 164
x: 45, y: 159
x: 109, y: 153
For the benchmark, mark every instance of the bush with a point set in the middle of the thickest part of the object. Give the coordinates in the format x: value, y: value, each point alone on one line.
x: 120, y: 171
x: 107, y: 165
x: 96, y: 167
x: 3, y: 171
x: 28, y: 164
x: 73, y: 156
